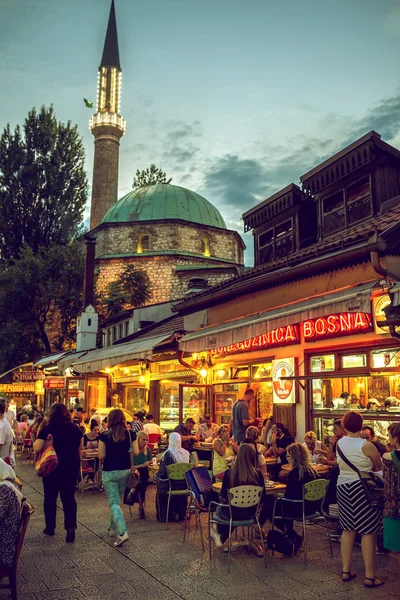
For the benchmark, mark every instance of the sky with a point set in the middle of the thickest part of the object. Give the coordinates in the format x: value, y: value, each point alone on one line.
x: 234, y: 99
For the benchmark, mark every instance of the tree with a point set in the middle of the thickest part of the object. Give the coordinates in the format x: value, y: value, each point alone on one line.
x: 43, y: 184
x: 129, y: 290
x: 40, y: 296
x: 149, y: 176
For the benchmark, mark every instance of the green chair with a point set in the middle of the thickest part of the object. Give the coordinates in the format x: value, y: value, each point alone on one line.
x: 313, y: 491
x: 242, y: 496
x: 176, y: 472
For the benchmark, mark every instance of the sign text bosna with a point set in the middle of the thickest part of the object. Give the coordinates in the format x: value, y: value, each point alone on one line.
x: 323, y: 327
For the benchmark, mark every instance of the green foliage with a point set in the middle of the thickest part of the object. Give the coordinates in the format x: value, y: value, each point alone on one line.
x: 40, y: 296
x: 149, y: 176
x: 129, y: 290
x: 43, y: 184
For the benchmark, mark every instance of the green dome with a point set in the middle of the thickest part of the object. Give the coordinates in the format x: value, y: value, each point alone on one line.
x: 161, y: 202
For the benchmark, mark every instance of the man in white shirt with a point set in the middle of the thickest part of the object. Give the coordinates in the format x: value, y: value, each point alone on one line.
x: 207, y: 430
x: 6, y: 435
x: 9, y: 414
x: 151, y: 427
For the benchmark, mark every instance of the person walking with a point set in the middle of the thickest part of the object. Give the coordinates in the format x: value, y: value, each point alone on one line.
x: 355, y: 513
x: 391, y: 476
x: 68, y: 444
x: 116, y: 447
x: 241, y: 416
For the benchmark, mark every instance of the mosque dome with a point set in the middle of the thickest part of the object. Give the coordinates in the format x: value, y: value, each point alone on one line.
x: 161, y: 202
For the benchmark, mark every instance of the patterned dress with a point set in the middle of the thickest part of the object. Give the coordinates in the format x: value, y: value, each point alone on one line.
x: 9, y: 525
x: 391, y: 512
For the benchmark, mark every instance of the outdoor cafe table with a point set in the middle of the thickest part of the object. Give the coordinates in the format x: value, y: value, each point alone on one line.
x: 320, y: 469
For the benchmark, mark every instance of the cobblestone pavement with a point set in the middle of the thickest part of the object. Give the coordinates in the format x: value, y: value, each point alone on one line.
x: 156, y: 564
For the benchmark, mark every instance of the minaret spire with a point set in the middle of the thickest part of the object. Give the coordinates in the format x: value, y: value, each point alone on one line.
x: 110, y: 56
x: 107, y: 126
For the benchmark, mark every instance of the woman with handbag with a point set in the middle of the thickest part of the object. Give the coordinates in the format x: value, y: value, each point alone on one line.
x: 67, y: 440
x: 10, y: 514
x: 116, y: 448
x: 355, y: 457
x: 391, y: 476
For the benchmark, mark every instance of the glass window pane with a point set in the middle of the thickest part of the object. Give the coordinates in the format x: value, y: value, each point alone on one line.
x: 354, y: 360
x: 386, y: 358
x: 135, y: 399
x: 169, y: 406
x: 195, y: 403
x: 323, y: 363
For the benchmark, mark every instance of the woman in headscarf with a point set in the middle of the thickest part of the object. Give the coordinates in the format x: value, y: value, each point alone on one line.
x: 10, y: 514
x: 174, y: 454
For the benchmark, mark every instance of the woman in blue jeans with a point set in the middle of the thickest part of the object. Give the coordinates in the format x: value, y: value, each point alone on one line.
x: 115, y: 448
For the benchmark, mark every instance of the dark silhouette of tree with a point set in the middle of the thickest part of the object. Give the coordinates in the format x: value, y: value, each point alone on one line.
x: 43, y: 184
x: 149, y: 176
x: 129, y: 290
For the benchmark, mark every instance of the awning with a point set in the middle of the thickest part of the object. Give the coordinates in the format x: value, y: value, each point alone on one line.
x: 69, y: 359
x: 355, y: 299
x: 52, y: 358
x: 95, y: 360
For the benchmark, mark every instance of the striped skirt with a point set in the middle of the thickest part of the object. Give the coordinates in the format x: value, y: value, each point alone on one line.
x: 355, y: 513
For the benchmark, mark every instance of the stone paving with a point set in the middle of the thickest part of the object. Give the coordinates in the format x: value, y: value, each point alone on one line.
x: 156, y: 564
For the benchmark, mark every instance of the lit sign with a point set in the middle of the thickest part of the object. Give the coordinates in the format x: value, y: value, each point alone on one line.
x: 27, y: 375
x: 56, y: 383
x: 283, y: 336
x: 378, y: 305
x: 336, y: 325
x: 283, y: 390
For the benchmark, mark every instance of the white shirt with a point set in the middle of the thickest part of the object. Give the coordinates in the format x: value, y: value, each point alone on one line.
x: 314, y: 457
x: 10, y: 416
x: 352, y: 449
x: 152, y: 428
x: 6, y: 439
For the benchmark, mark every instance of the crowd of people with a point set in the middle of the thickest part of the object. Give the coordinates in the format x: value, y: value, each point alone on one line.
x: 242, y: 453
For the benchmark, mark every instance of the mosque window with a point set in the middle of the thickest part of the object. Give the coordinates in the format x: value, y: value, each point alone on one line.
x: 143, y: 243
x: 205, y: 246
x: 197, y: 283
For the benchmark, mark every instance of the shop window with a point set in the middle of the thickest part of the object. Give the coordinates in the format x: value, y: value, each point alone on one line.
x: 325, y: 362
x: 240, y: 373
x: 169, y: 406
x: 353, y: 361
x: 135, y: 399
x: 385, y: 358
x: 261, y: 371
x: 222, y: 374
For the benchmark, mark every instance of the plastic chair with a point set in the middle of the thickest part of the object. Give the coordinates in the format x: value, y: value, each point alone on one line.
x: 331, y: 524
x: 11, y: 572
x: 154, y: 438
x: 88, y: 467
x: 313, y: 491
x: 176, y: 472
x: 199, y: 485
x: 242, y: 496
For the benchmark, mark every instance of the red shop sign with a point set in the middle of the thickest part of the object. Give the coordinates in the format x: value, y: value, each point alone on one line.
x: 54, y: 383
x: 282, y: 336
x: 336, y: 325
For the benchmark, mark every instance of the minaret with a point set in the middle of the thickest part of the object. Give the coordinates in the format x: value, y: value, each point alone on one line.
x: 107, y: 126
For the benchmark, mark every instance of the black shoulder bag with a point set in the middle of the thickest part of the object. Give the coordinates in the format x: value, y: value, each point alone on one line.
x: 371, y: 482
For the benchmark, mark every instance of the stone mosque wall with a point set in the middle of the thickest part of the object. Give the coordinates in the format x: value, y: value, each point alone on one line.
x: 198, y: 239
x: 166, y: 282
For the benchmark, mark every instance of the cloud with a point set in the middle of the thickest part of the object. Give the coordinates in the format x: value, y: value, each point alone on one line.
x: 384, y: 118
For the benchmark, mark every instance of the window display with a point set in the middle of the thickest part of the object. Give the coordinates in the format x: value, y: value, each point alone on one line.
x: 135, y: 399
x: 169, y: 406
x: 322, y: 363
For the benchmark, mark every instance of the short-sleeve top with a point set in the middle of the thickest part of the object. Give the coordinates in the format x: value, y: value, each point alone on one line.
x: 91, y: 444
x: 66, y: 440
x: 117, y: 453
x: 240, y: 412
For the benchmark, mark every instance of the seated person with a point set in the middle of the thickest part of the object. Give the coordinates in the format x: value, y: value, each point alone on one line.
x: 338, y: 433
x: 317, y: 449
x: 151, y: 427
x: 280, y: 440
x: 185, y: 431
x: 207, y: 431
x: 368, y: 433
x: 10, y: 513
x: 243, y: 472
x: 253, y: 433
x: 302, y: 472
x: 224, y: 452
x: 142, y: 461
x: 90, y: 444
x: 174, y: 454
